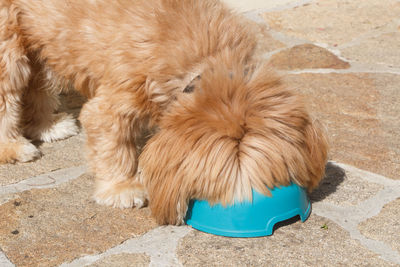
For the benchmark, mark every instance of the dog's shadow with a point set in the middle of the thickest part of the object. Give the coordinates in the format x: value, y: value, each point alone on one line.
x: 71, y: 102
x: 334, y: 176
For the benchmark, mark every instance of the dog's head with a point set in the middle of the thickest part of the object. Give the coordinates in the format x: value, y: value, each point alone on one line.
x: 239, y: 128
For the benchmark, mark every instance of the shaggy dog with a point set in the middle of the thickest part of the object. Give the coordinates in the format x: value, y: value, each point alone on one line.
x: 187, y: 69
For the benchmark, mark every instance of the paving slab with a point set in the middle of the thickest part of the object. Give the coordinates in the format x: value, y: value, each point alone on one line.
x: 266, y: 43
x: 249, y: 5
x: 307, y: 56
x: 333, y: 22
x: 349, y: 217
x: 357, y: 110
x: 382, y: 50
x: 160, y: 244
x: 338, y: 187
x: 385, y: 226
x: 123, y: 260
x: 49, y: 226
x: 317, y: 242
x: 61, y: 154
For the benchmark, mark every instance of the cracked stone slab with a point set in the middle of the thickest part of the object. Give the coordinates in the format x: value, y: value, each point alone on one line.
x: 359, y: 112
x: 61, y: 154
x: 385, y: 226
x: 307, y: 56
x: 334, y: 22
x: 383, y: 50
x: 317, y: 242
x: 50, y: 226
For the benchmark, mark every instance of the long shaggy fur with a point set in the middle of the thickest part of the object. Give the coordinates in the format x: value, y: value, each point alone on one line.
x: 136, y: 61
x: 219, y: 144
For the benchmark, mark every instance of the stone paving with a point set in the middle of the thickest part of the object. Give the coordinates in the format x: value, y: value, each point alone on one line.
x: 344, y: 57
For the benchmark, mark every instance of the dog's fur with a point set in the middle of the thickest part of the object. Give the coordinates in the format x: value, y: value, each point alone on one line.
x: 234, y: 127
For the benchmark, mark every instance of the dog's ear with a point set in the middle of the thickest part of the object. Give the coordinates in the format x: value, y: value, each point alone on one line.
x: 195, y: 80
x: 192, y: 79
x: 192, y: 85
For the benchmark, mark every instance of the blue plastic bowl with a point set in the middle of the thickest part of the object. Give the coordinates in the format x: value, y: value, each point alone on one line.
x: 250, y: 219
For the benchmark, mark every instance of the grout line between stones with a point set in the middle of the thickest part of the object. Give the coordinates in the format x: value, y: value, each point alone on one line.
x: 290, y: 41
x: 160, y: 244
x: 395, y: 71
x: 255, y: 13
x: 153, y: 243
x: 340, y: 215
x: 48, y: 180
x: 350, y: 217
x: 369, y: 176
x: 4, y: 261
x: 374, y: 33
x: 355, y: 67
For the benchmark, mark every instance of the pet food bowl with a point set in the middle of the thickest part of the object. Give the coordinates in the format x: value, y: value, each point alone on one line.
x: 250, y: 218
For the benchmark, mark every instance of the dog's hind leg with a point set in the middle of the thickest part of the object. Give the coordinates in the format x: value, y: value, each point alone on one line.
x: 111, y: 130
x: 15, y: 72
x: 40, y: 102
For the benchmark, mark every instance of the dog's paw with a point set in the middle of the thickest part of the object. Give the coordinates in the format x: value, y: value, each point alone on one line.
x: 21, y: 150
x: 27, y: 152
x: 63, y: 126
x: 126, y: 195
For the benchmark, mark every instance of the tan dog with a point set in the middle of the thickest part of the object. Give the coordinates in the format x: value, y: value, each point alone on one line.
x: 234, y: 127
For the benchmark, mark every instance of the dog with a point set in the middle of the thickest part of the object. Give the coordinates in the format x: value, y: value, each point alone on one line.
x: 186, y: 71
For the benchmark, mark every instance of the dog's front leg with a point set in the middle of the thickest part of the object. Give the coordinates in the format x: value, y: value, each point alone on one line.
x: 15, y: 72
x: 111, y: 132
